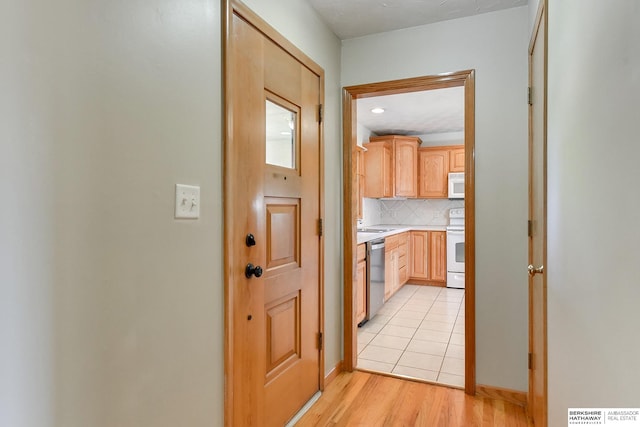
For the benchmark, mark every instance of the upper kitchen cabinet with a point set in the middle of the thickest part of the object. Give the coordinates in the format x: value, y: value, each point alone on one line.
x: 391, y: 162
x: 456, y: 159
x: 434, y: 165
x: 378, y: 166
x: 433, y: 169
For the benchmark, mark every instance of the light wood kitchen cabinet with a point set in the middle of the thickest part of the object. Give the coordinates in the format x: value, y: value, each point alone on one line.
x: 361, y: 283
x: 405, y: 162
x: 419, y: 255
x: 392, y: 162
x: 438, y: 256
x: 456, y: 158
x: 360, y: 179
x: 403, y: 256
x: 396, y: 273
x: 391, y: 270
x: 428, y: 256
x: 433, y: 170
x: 378, y: 161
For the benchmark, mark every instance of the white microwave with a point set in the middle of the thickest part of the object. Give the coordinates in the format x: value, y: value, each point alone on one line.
x: 456, y: 185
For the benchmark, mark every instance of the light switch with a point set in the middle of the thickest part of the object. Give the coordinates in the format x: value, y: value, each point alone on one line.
x: 187, y: 201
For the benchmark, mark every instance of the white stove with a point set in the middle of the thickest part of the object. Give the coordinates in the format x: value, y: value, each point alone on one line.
x: 455, y: 249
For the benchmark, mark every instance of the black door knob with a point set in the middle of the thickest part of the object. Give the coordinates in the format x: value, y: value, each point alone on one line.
x: 250, y: 240
x: 252, y: 270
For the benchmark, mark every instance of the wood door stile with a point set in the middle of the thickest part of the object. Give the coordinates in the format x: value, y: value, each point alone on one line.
x: 273, y: 363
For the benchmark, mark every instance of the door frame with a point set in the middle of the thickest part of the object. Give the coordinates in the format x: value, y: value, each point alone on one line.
x: 541, y: 18
x: 350, y: 94
x: 231, y: 7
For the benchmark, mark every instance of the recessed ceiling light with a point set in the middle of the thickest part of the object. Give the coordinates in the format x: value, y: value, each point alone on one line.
x: 377, y: 110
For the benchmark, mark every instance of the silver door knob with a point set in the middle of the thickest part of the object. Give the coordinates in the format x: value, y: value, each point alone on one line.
x: 533, y: 271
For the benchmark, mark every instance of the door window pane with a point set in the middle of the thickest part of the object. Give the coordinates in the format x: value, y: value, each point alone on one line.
x: 281, y: 125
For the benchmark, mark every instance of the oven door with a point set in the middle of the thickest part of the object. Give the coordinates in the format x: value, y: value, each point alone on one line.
x: 455, y: 251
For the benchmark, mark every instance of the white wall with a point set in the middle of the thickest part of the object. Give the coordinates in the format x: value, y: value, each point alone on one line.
x: 495, y: 45
x: 443, y: 138
x: 593, y: 204
x: 533, y: 11
x: 111, y: 310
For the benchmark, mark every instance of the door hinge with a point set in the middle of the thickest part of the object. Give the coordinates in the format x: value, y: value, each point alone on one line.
x: 529, y: 96
x: 320, y: 113
x: 320, y: 225
x: 530, y: 228
x: 530, y: 362
x: 320, y: 341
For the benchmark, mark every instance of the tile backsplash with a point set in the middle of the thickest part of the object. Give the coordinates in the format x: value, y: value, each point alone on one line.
x: 409, y: 211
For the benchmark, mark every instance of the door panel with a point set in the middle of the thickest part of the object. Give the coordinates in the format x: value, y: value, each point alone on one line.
x: 275, y: 319
x: 283, y: 234
x: 283, y: 334
x: 537, y: 217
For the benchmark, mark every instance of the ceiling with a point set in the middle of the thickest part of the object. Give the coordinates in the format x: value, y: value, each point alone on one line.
x: 356, y: 18
x: 418, y: 113
x: 415, y: 113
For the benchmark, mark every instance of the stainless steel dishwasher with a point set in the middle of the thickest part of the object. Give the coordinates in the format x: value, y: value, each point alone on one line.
x: 375, y: 277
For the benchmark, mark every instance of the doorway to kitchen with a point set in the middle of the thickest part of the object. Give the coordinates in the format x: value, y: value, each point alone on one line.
x: 408, y: 307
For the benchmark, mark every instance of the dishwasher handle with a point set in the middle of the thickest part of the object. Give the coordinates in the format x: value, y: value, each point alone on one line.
x: 375, y: 246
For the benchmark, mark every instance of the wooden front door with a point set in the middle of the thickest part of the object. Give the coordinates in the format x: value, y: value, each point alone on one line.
x: 272, y: 212
x: 537, y: 226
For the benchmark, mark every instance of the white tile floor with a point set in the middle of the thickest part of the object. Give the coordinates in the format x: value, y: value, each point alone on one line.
x: 418, y: 333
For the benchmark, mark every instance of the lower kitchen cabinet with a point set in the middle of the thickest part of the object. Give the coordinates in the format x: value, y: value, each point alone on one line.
x: 438, y: 256
x: 391, y: 277
x: 396, y: 250
x: 403, y: 256
x: 428, y: 259
x: 361, y: 283
x: 419, y: 255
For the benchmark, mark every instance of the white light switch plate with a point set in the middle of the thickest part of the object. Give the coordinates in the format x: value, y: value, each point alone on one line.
x: 187, y: 201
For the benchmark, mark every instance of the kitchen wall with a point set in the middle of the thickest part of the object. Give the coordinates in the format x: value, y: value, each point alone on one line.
x: 592, y: 212
x: 443, y: 138
x: 495, y: 45
x: 112, y: 311
x: 417, y: 211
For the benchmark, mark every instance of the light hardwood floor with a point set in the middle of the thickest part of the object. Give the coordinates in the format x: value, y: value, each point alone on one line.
x: 364, y: 399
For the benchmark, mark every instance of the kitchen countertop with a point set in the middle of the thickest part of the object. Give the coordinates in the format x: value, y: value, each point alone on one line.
x: 392, y: 229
